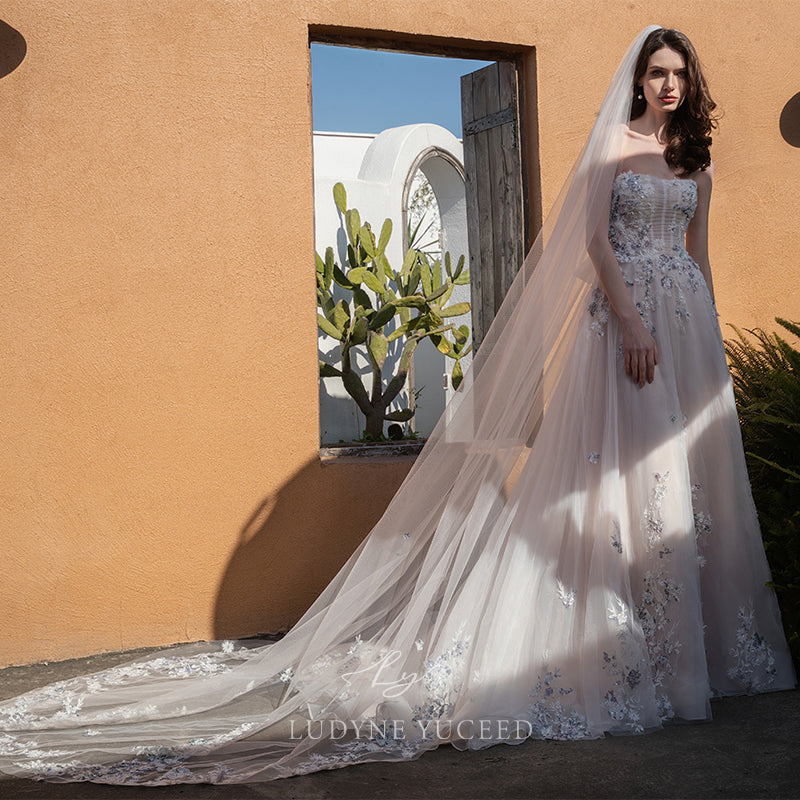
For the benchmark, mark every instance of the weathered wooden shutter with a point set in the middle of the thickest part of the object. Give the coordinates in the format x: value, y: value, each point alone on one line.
x: 494, y: 186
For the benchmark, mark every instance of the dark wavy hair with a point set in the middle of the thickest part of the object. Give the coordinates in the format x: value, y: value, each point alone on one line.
x: 690, y: 125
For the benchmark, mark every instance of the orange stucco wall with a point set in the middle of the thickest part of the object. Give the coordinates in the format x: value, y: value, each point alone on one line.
x: 160, y: 471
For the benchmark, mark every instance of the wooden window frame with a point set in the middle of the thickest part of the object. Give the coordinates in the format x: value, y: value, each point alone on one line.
x: 523, y: 58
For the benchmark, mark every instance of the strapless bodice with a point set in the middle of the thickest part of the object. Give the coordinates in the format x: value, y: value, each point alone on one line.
x: 649, y: 214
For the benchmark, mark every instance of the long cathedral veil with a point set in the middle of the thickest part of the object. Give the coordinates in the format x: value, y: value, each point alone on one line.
x: 393, y: 635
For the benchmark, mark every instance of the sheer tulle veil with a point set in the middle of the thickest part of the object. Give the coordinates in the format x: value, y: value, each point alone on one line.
x: 415, y: 591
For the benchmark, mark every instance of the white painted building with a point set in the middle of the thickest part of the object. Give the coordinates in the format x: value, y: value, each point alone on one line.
x: 380, y: 173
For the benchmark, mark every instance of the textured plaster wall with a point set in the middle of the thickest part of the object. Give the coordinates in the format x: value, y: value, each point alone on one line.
x: 160, y: 479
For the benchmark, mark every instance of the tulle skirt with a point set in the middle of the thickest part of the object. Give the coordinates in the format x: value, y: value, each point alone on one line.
x: 610, y: 578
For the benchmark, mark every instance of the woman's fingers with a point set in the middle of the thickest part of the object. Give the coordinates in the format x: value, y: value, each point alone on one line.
x: 652, y: 360
x: 640, y: 365
x: 640, y: 355
x: 636, y: 365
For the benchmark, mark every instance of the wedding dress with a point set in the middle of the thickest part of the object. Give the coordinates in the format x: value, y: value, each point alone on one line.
x: 570, y: 556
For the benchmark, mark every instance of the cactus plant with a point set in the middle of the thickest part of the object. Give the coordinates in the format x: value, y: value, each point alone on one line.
x: 410, y: 304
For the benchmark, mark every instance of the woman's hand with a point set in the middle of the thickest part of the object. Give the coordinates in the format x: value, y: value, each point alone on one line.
x: 640, y: 351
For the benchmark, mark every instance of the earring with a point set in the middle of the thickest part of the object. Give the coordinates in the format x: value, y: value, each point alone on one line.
x: 639, y: 94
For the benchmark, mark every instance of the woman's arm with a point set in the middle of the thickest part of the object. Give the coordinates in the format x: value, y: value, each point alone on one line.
x: 639, y: 347
x: 697, y: 232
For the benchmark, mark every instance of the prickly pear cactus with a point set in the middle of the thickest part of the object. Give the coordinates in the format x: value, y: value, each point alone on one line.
x: 410, y: 305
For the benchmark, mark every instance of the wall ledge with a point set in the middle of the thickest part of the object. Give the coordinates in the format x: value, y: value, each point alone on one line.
x: 349, y: 452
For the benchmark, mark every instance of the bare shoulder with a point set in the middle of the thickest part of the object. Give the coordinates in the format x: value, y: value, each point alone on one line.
x: 626, y: 139
x: 704, y: 178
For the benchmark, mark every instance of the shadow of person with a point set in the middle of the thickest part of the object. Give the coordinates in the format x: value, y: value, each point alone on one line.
x: 297, y: 539
x: 12, y: 49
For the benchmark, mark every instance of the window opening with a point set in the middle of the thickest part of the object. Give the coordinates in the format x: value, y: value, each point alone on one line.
x: 387, y: 125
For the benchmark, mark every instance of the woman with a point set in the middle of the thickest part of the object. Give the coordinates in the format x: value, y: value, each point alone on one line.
x: 574, y: 552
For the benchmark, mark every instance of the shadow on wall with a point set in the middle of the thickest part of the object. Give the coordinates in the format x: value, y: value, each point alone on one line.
x: 344, y: 411
x: 790, y: 121
x: 12, y: 49
x: 272, y: 578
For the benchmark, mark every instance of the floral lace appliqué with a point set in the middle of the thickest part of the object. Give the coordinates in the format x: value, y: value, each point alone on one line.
x: 755, y: 662
x: 599, y: 308
x: 622, y: 701
x: 702, y: 524
x: 151, y: 765
x: 443, y: 679
x: 37, y: 708
x: 616, y: 537
x: 653, y: 526
x: 551, y: 718
x: 660, y: 593
x: 647, y: 227
x: 567, y: 596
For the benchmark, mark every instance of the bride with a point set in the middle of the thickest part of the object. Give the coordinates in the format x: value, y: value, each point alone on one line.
x: 575, y: 551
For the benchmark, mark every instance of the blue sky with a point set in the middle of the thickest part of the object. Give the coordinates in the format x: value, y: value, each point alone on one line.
x: 364, y: 91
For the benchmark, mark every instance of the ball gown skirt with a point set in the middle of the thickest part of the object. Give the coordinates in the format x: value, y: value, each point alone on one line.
x: 618, y: 589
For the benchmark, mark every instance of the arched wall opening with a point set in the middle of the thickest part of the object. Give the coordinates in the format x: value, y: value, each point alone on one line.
x: 445, y: 174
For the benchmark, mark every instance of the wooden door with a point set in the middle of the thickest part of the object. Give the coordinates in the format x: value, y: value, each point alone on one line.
x: 496, y: 201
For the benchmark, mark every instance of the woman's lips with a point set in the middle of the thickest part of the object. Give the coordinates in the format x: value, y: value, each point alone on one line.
x: 668, y: 99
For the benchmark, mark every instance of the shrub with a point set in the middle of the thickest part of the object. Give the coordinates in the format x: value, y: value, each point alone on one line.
x: 766, y: 382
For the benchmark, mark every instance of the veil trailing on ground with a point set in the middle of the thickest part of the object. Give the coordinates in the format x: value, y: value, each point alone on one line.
x: 394, y: 634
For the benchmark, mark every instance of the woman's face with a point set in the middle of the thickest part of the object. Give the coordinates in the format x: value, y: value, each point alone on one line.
x: 665, y: 81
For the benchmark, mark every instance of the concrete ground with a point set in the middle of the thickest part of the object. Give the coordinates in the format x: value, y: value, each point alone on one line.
x: 750, y: 750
